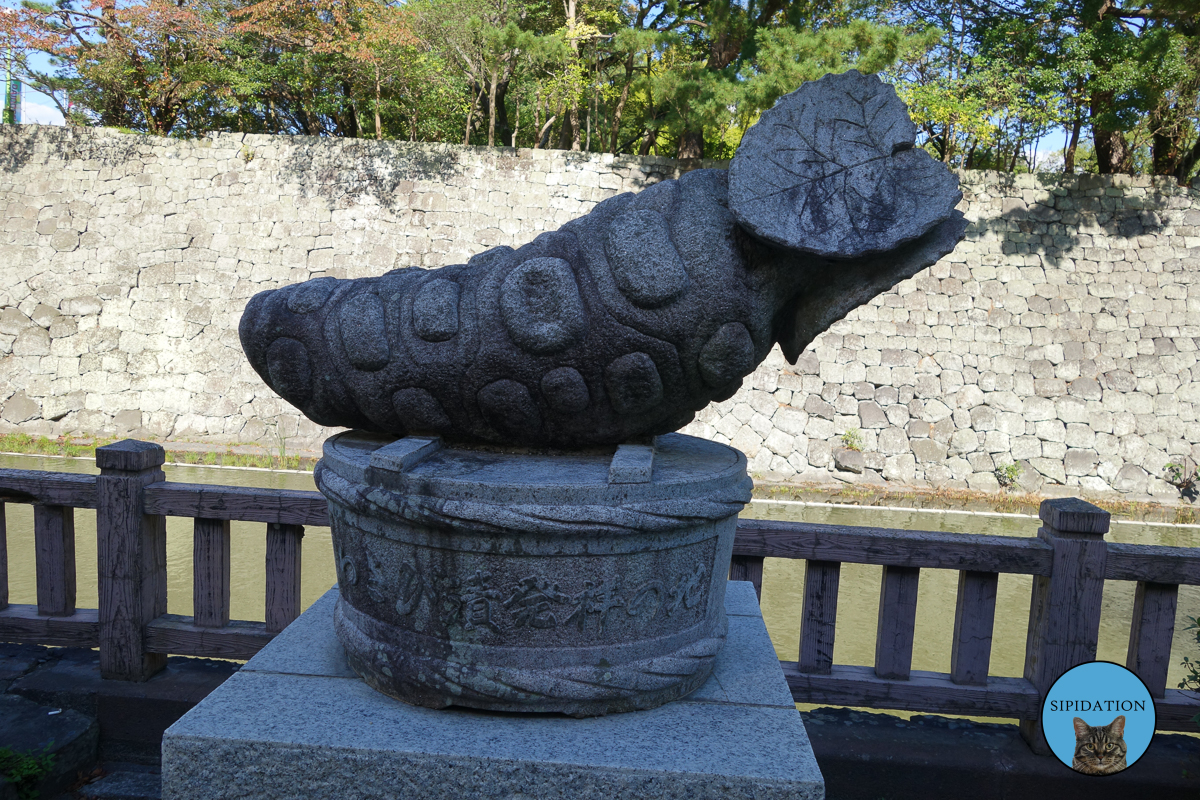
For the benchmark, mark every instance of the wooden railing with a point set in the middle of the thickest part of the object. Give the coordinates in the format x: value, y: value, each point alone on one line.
x: 1069, y: 561
x: 132, y: 500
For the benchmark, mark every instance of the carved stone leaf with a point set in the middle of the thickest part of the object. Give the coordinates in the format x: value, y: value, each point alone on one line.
x: 831, y: 170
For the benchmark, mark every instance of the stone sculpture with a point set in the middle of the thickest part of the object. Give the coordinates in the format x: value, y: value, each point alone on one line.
x: 625, y: 322
x: 493, y: 551
x: 513, y: 581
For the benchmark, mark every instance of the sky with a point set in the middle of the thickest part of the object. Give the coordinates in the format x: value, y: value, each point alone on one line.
x: 35, y: 106
x: 36, y: 109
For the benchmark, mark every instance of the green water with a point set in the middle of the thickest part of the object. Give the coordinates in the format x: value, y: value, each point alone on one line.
x: 858, y: 599
x: 783, y: 579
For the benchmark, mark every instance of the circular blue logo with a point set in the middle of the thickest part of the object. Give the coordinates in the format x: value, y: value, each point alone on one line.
x: 1098, y: 718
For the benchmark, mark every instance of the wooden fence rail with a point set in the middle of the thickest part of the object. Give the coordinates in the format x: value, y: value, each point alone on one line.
x: 1068, y: 560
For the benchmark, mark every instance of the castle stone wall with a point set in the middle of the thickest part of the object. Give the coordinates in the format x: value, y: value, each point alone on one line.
x: 1060, y: 335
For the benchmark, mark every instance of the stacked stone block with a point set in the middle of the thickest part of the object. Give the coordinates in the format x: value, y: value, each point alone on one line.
x: 1060, y: 335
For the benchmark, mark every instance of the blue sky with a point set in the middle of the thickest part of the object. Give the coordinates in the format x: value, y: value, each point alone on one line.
x: 35, y: 106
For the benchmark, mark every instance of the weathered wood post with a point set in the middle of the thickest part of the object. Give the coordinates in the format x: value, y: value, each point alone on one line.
x: 3, y: 561
x: 210, y: 573
x: 1064, y: 611
x: 974, y: 620
x: 1149, y: 653
x: 132, y: 555
x: 747, y: 568
x: 283, y: 575
x: 54, y: 542
x: 819, y: 621
x: 897, y: 621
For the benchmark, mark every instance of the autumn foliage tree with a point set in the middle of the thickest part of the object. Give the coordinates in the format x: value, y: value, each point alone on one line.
x: 987, y: 81
x: 317, y: 56
x: 134, y: 66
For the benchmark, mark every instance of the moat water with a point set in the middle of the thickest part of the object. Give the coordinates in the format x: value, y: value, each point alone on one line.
x: 783, y: 579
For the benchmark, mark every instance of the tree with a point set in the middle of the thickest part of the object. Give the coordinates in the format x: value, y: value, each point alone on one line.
x: 487, y: 41
x: 1122, y: 69
x: 134, y: 66
x: 315, y: 55
x: 985, y: 80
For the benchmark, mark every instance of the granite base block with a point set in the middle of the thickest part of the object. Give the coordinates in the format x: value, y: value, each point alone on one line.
x: 296, y: 722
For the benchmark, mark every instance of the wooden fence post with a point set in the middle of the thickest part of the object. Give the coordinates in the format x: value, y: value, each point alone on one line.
x: 1150, y: 635
x: 974, y: 620
x: 1064, y: 610
x: 3, y: 561
x: 819, y: 622
x: 132, y: 554
x: 210, y: 573
x: 747, y: 568
x: 897, y: 621
x: 54, y: 541
x: 283, y: 575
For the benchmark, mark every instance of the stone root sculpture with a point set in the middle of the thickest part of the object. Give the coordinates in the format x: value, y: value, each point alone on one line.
x: 625, y: 322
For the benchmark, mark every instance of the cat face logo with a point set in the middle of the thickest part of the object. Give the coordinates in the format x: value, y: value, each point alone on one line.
x: 1099, y: 749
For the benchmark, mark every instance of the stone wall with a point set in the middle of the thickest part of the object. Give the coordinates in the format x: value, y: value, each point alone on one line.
x: 1061, y: 335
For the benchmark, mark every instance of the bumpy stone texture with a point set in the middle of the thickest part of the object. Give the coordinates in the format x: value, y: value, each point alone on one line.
x: 654, y: 332
x: 1066, y: 320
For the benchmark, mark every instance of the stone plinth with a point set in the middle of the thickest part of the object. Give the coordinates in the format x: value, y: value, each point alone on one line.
x: 581, y: 583
x: 297, y: 722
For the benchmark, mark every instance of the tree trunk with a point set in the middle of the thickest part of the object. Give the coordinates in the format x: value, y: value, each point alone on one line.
x: 492, y: 108
x: 616, y: 126
x: 347, y: 124
x: 1112, y: 151
x: 592, y: 112
x: 647, y: 142
x: 503, y: 127
x: 572, y: 120
x: 691, y: 143
x: 1163, y: 150
x: 1187, y: 162
x: 537, y: 121
x: 307, y: 123
x: 1169, y: 153
x: 115, y: 111
x: 1069, y: 156
x: 565, y: 134
x: 378, y: 94
x: 471, y: 113
x: 544, y: 134
x: 576, y: 128
x: 651, y: 135
x: 516, y: 128
x: 721, y: 53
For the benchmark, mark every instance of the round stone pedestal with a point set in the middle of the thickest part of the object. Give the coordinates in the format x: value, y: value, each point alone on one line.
x: 582, y: 583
